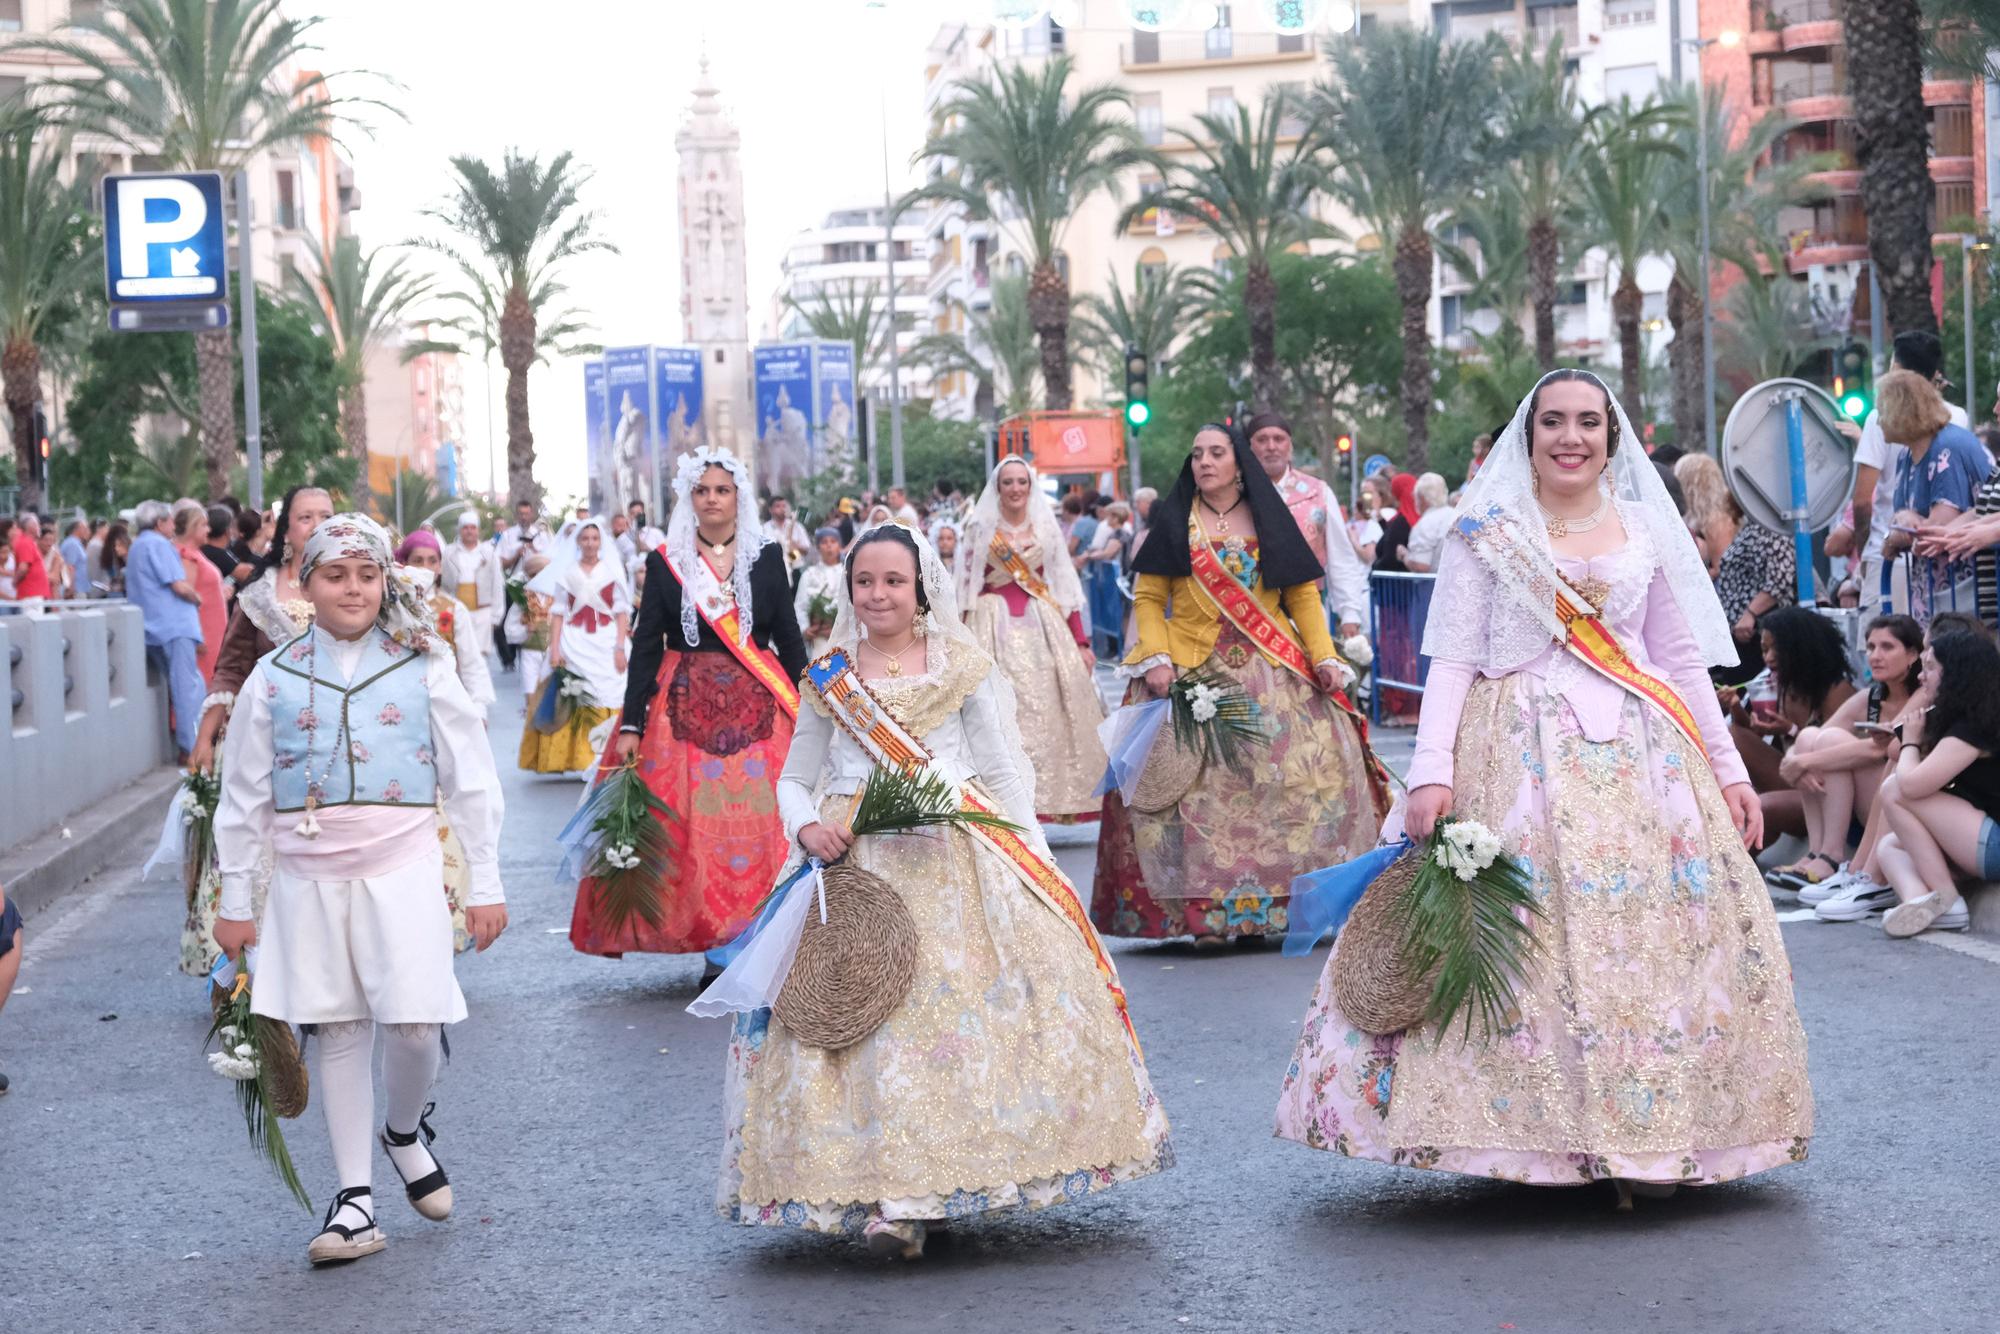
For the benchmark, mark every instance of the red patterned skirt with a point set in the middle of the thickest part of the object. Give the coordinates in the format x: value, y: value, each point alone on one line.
x: 714, y: 744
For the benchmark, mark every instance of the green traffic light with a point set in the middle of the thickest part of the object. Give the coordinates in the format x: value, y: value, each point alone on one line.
x: 1138, y: 413
x: 1855, y: 406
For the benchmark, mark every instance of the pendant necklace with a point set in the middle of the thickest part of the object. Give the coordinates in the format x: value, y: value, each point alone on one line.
x: 894, y: 661
x: 308, y: 825
x: 717, y: 548
x: 1561, y: 527
x: 1221, y: 517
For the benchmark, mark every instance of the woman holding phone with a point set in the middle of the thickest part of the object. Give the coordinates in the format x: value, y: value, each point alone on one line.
x: 1835, y: 771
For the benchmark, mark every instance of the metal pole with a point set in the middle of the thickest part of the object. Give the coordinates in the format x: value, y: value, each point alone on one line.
x: 1795, y: 448
x: 1969, y: 399
x: 253, y: 424
x: 1707, y: 286
x: 1132, y: 443
x: 1878, y: 333
x: 895, y: 376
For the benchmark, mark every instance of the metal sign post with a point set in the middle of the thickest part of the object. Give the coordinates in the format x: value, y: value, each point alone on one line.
x: 253, y: 421
x: 1795, y: 459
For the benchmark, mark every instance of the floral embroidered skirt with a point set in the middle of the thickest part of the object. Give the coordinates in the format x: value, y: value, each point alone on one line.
x: 1221, y: 862
x: 714, y: 744
x: 1004, y: 1080
x: 1655, y: 1037
x: 1059, y: 708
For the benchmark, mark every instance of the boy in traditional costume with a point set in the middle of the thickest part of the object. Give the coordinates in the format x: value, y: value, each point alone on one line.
x: 340, y: 745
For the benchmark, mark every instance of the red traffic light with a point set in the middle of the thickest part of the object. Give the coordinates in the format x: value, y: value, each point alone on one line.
x: 1345, y: 444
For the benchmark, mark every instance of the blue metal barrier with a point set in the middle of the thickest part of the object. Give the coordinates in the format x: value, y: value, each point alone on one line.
x: 1398, y: 607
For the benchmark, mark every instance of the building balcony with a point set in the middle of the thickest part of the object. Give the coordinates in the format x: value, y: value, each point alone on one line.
x: 1946, y: 92
x: 1814, y: 36
x: 1843, y: 181
x: 1806, y: 108
x: 1810, y: 251
x: 1951, y: 169
x: 1212, y: 46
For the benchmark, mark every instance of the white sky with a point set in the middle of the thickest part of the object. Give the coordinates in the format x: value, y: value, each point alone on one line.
x: 610, y: 80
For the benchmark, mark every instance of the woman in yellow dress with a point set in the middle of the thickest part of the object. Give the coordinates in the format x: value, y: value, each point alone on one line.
x: 1227, y: 583
x: 1024, y: 606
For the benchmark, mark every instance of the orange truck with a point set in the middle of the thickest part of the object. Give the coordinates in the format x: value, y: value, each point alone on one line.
x: 1076, y: 450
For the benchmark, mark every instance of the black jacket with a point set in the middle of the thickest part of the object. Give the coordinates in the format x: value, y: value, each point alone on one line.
x: 773, y: 625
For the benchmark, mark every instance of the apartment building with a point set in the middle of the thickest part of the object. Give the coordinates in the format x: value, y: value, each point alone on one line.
x: 416, y: 413
x: 1621, y: 48
x: 839, y: 263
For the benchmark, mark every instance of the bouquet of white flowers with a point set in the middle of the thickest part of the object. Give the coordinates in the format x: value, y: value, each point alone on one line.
x: 269, y: 1083
x: 621, y: 837
x: 1465, y: 919
x: 1214, y: 719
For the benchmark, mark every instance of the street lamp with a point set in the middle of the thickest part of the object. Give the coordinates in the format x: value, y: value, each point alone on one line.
x: 889, y: 250
x: 1727, y: 37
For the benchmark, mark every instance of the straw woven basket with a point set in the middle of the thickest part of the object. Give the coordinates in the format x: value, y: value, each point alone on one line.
x: 853, y: 970
x: 284, y: 1064
x: 1373, y: 982
x: 1170, y: 774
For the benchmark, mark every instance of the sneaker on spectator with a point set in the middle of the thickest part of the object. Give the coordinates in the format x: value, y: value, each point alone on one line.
x: 1925, y: 914
x: 1855, y: 900
x: 1834, y: 884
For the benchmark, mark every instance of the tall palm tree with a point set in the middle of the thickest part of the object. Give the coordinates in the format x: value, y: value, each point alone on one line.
x: 1150, y: 316
x: 1255, y: 196
x: 518, y: 224
x: 203, y: 85
x: 1627, y: 170
x: 1024, y: 151
x: 46, y: 268
x: 1545, y: 124
x: 1885, y: 79
x: 1770, y: 330
x: 998, y: 348
x: 1486, y: 240
x: 1406, y: 122
x: 361, y: 298
x: 852, y: 313
x: 1745, y: 196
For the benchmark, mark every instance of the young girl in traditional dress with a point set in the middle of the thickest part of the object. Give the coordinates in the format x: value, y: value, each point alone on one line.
x: 590, y: 623
x: 342, y: 743
x: 709, y: 705
x: 1653, y: 1039
x: 1025, y: 606
x: 1227, y: 583
x: 1009, y: 1076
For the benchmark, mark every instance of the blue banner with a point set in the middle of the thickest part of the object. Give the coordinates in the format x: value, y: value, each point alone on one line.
x: 677, y: 395
x: 596, y: 437
x: 628, y: 394
x: 785, y: 407
x: 833, y: 376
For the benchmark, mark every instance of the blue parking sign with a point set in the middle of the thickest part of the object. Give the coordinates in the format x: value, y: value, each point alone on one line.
x: 166, y: 245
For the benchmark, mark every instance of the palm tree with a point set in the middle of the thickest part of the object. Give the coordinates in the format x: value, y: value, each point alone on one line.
x: 1544, y: 122
x: 360, y: 305
x: 1627, y: 169
x: 519, y: 222
x: 1885, y: 78
x: 46, y: 268
x: 1770, y: 330
x: 1497, y: 261
x: 202, y: 85
x: 411, y: 497
x: 1023, y: 151
x: 1151, y: 316
x: 1255, y: 197
x: 852, y: 313
x: 998, y: 348
x: 1745, y: 196
x: 1406, y: 121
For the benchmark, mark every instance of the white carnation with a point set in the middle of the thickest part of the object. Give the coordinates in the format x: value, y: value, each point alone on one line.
x: 1357, y: 650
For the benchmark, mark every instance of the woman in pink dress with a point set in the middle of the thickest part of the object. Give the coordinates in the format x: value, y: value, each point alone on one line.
x: 1653, y: 1040
x: 190, y: 526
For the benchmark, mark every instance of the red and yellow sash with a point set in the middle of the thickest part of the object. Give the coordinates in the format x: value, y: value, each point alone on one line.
x: 886, y: 742
x: 759, y: 662
x: 1023, y: 574
x: 1591, y: 640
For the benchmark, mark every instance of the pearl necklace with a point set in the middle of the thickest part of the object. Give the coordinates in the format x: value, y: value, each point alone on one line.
x: 1561, y: 527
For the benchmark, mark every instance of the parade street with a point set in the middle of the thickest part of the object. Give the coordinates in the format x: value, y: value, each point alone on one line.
x: 581, y: 1124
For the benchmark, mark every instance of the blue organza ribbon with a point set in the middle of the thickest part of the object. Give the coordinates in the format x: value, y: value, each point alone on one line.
x: 546, y: 698
x: 1321, y: 900
x: 578, y: 839
x: 1128, y: 736
x: 724, y: 955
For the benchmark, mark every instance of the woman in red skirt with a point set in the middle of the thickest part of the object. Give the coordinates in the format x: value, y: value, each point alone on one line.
x: 710, y: 702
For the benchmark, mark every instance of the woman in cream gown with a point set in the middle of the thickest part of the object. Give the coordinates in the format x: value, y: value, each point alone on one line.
x: 1653, y: 1040
x: 1008, y: 1077
x: 1024, y: 605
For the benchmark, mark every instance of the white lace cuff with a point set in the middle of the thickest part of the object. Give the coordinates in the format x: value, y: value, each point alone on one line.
x: 1131, y: 670
x: 225, y: 698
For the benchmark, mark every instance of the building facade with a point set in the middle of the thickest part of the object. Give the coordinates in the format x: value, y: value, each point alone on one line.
x: 839, y: 266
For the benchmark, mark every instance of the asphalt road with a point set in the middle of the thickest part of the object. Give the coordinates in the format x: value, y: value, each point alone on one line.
x: 580, y: 1121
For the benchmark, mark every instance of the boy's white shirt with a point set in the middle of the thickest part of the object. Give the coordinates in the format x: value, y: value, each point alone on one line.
x: 246, y: 816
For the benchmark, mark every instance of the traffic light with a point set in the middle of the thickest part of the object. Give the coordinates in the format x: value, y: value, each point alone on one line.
x: 1853, y: 388
x: 1137, y: 410
x: 38, y: 457
x: 1344, y: 443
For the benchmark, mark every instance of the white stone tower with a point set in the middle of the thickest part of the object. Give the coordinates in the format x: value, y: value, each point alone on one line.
x: 715, y: 306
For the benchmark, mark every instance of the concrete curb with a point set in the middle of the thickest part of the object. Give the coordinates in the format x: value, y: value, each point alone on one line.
x: 115, y: 832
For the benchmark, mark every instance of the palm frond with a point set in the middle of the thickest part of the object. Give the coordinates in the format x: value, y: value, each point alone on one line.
x: 1475, y: 933
x: 1229, y: 737
x: 255, y: 1095
x: 631, y: 830
x: 896, y: 802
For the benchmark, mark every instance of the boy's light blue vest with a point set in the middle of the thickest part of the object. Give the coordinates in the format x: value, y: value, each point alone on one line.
x: 370, y: 739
